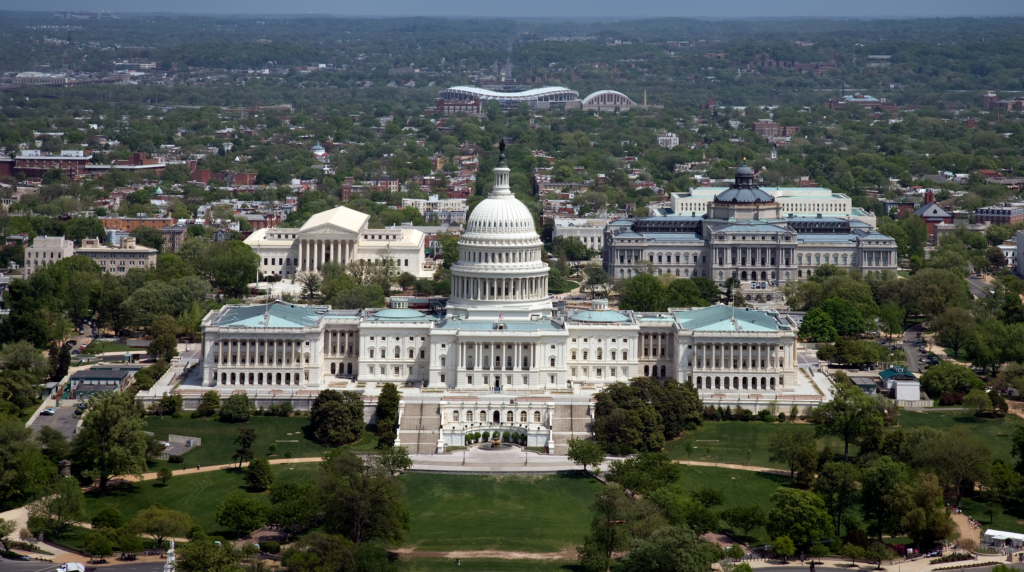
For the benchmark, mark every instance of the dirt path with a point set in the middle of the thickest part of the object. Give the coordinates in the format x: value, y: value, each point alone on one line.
x: 782, y: 472
x: 566, y: 554
x: 209, y: 468
x: 966, y: 530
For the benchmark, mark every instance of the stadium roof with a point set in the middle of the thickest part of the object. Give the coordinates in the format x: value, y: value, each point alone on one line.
x: 536, y: 94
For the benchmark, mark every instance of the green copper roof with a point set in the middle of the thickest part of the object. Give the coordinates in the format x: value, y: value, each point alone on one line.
x: 275, y: 315
x: 726, y: 319
x: 599, y: 316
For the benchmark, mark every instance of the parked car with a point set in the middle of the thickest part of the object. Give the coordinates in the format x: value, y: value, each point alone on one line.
x: 48, y: 411
x: 83, y: 405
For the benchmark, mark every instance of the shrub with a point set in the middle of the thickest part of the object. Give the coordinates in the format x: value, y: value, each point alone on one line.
x: 782, y: 417
x: 487, y: 435
x: 690, y: 426
x: 952, y: 398
x: 506, y: 436
x: 175, y: 459
x: 270, y: 546
x: 745, y: 414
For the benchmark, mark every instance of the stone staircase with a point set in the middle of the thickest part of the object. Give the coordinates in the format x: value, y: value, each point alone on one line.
x: 571, y: 421
x: 420, y: 426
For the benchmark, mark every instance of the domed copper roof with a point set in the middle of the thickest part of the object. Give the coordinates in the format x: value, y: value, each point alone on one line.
x: 744, y: 190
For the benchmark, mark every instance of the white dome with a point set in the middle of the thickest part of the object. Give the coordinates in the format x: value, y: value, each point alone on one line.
x: 501, y: 216
x: 500, y: 274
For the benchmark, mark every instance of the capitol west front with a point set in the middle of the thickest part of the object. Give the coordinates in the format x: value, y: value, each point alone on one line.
x: 499, y: 356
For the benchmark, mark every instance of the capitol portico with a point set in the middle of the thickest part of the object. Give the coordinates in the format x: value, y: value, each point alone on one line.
x: 499, y: 356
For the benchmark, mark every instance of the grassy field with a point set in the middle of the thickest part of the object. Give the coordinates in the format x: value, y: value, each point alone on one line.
x: 991, y: 431
x: 449, y: 512
x: 218, y: 438
x: 486, y: 565
x: 741, y: 488
x: 736, y: 442
x: 100, y: 347
x: 569, y: 287
x: 197, y: 494
x: 531, y: 514
x: 739, y: 442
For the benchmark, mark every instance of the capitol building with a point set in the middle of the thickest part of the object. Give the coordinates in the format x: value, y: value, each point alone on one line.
x: 499, y: 356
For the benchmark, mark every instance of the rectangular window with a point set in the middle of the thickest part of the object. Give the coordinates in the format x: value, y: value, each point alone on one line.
x: 442, y: 379
x: 469, y: 379
x: 573, y: 372
x: 371, y: 370
x: 526, y: 380
x: 552, y: 362
x: 611, y: 372
x: 552, y: 379
x: 398, y: 370
x: 598, y: 372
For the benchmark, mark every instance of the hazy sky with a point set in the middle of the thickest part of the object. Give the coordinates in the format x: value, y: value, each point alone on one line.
x: 581, y: 9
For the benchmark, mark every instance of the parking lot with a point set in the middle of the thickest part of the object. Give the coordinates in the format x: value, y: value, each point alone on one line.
x: 64, y: 420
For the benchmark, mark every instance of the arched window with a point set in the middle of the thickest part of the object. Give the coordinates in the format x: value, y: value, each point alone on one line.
x: 662, y: 371
x: 647, y: 371
x: 483, y: 416
x: 469, y: 416
x: 613, y: 355
x: 522, y: 417
x: 510, y: 417
x: 455, y: 416
x: 287, y: 378
x: 259, y: 378
x: 699, y: 381
x: 371, y: 352
x: 536, y: 416
x: 348, y: 368
x: 718, y: 383
x: 332, y: 368
x: 232, y: 379
x: 585, y: 354
x: 279, y: 379
x: 398, y: 352
x: 442, y: 361
x: 624, y: 357
x: 598, y: 354
x: 410, y: 353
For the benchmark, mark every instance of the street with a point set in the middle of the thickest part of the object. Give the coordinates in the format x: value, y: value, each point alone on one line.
x: 911, y: 348
x: 979, y: 288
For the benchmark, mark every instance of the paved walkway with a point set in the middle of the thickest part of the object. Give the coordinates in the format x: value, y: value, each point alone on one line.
x: 771, y: 470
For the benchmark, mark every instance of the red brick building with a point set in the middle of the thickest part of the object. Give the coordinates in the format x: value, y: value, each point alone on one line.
x: 453, y: 106
x: 201, y: 176
x: 128, y: 224
x: 33, y: 163
x: 1000, y: 214
x: 932, y: 213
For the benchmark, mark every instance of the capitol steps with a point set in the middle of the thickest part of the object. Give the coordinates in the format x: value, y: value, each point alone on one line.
x: 571, y: 421
x: 419, y: 427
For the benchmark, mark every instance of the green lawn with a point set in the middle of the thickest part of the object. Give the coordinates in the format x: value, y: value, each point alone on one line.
x: 1008, y: 517
x: 729, y: 442
x: 449, y: 512
x: 524, y: 513
x: 569, y: 287
x: 991, y: 431
x: 486, y: 565
x: 100, y: 347
x: 218, y: 438
x: 741, y: 488
x: 196, y: 494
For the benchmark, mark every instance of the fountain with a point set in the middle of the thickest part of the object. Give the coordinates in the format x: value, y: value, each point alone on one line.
x: 495, y: 444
